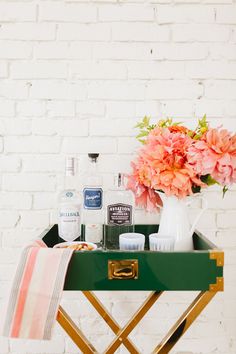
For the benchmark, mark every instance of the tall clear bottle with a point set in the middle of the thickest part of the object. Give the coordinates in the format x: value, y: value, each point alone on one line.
x: 93, y: 217
x: 69, y: 213
x: 119, y: 212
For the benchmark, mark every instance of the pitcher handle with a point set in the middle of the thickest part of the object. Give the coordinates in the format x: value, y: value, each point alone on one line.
x: 204, y: 207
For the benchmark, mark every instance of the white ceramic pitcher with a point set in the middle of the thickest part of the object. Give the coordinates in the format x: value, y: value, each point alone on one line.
x: 175, y: 223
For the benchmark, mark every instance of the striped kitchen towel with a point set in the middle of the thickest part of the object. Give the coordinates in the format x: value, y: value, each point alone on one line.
x: 36, y: 291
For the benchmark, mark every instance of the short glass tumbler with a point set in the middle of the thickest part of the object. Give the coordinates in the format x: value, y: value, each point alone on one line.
x: 161, y: 243
x: 131, y: 241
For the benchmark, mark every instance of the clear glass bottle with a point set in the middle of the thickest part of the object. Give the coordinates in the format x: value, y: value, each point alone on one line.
x: 69, y: 214
x: 119, y: 213
x: 93, y: 217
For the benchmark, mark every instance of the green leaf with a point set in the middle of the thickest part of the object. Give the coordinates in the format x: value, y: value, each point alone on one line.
x: 168, y: 122
x: 151, y: 127
x: 144, y: 123
x: 146, y: 120
x: 142, y: 141
x: 207, y: 179
x: 144, y: 128
x: 196, y: 189
x: 142, y: 134
x: 202, y: 127
x: 191, y: 134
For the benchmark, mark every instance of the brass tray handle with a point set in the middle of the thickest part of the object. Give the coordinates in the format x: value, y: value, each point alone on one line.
x: 123, y: 269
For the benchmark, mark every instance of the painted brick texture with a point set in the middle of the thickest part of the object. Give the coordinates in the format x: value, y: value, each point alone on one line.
x: 75, y: 77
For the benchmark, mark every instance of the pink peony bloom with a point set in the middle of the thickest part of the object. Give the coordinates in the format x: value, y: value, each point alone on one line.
x: 144, y: 196
x: 215, y: 154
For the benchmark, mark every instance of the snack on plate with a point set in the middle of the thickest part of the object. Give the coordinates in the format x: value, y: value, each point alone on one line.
x: 77, y: 246
x: 81, y: 247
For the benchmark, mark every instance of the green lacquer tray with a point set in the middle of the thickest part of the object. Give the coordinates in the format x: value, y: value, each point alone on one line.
x: 200, y: 269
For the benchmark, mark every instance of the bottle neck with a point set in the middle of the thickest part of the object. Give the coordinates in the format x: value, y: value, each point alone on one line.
x: 94, y: 178
x: 70, y: 177
x: 70, y: 182
x: 119, y: 182
x: 93, y: 167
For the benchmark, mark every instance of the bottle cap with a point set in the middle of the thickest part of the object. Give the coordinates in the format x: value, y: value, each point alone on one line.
x: 93, y: 156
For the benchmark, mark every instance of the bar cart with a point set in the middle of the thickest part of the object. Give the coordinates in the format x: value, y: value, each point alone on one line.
x: 200, y: 269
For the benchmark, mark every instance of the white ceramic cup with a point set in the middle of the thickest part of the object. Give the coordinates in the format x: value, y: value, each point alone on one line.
x: 131, y: 241
x: 161, y: 243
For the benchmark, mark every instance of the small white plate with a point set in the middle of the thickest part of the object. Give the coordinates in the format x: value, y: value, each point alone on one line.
x: 74, y: 243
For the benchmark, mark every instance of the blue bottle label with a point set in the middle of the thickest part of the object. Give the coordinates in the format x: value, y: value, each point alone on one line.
x: 93, y: 198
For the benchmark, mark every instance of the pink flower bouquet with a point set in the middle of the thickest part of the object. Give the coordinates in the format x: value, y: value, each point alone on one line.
x: 179, y: 161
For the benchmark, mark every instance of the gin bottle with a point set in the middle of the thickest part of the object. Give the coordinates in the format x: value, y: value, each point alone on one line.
x: 93, y: 203
x: 119, y: 213
x: 69, y: 218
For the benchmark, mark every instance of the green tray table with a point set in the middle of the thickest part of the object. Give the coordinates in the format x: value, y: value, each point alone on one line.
x: 200, y: 269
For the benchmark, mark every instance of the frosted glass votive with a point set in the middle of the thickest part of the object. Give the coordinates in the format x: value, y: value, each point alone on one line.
x: 131, y: 241
x: 161, y: 242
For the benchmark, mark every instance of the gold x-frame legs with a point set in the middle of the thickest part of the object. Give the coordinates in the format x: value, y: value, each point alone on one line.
x: 171, y: 338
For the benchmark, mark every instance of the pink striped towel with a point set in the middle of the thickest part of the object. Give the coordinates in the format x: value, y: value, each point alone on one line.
x: 36, y: 291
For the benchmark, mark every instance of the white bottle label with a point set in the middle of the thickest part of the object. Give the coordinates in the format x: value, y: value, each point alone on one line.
x: 69, y: 222
x: 93, y: 233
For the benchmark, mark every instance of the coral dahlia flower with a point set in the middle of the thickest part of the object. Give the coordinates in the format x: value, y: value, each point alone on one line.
x: 162, y: 165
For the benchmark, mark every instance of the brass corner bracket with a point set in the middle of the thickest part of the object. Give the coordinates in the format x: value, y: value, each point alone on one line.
x: 218, y: 286
x: 218, y: 255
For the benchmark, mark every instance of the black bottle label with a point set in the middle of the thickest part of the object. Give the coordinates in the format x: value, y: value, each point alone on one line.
x: 119, y: 214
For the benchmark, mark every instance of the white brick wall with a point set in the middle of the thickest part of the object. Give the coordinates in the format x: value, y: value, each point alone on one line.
x: 75, y: 76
